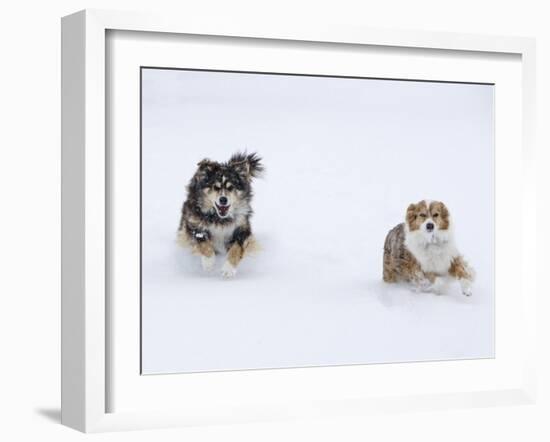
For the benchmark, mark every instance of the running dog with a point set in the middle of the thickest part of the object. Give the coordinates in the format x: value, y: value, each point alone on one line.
x: 422, y: 250
x: 215, y: 218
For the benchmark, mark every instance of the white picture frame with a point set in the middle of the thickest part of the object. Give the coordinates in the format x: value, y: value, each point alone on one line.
x: 85, y: 205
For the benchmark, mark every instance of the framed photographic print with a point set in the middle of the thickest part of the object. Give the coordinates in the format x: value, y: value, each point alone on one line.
x: 269, y: 223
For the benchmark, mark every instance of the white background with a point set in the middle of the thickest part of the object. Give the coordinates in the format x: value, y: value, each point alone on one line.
x: 344, y: 158
x: 29, y: 318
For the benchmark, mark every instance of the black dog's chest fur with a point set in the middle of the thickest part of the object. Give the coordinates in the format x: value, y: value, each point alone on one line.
x: 222, y: 235
x: 221, y: 232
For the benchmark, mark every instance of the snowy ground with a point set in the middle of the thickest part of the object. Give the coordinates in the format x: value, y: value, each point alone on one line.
x: 344, y: 158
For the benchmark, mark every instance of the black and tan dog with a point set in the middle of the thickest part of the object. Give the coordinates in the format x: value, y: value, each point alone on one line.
x: 215, y: 217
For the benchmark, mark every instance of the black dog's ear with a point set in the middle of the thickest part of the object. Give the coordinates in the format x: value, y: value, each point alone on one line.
x: 205, y: 164
x: 247, y: 165
x: 242, y: 168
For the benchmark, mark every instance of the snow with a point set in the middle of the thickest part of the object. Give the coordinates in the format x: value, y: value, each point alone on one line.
x: 343, y: 159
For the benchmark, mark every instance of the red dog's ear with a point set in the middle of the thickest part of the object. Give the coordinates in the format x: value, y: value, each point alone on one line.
x: 445, y: 217
x: 444, y: 211
x: 411, y: 213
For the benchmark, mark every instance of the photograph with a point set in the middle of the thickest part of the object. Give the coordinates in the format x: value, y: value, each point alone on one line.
x: 302, y: 220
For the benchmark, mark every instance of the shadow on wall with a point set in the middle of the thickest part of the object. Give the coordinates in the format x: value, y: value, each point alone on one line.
x: 51, y: 414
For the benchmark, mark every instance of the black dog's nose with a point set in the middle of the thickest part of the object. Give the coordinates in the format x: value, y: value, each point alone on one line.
x: 223, y: 200
x: 430, y: 226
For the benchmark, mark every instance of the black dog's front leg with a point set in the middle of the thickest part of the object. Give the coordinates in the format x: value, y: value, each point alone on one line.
x: 236, y: 249
x: 201, y: 243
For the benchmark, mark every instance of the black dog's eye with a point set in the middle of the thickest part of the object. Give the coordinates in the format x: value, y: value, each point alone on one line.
x: 229, y: 188
x: 422, y: 215
x: 435, y: 215
x: 216, y: 187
